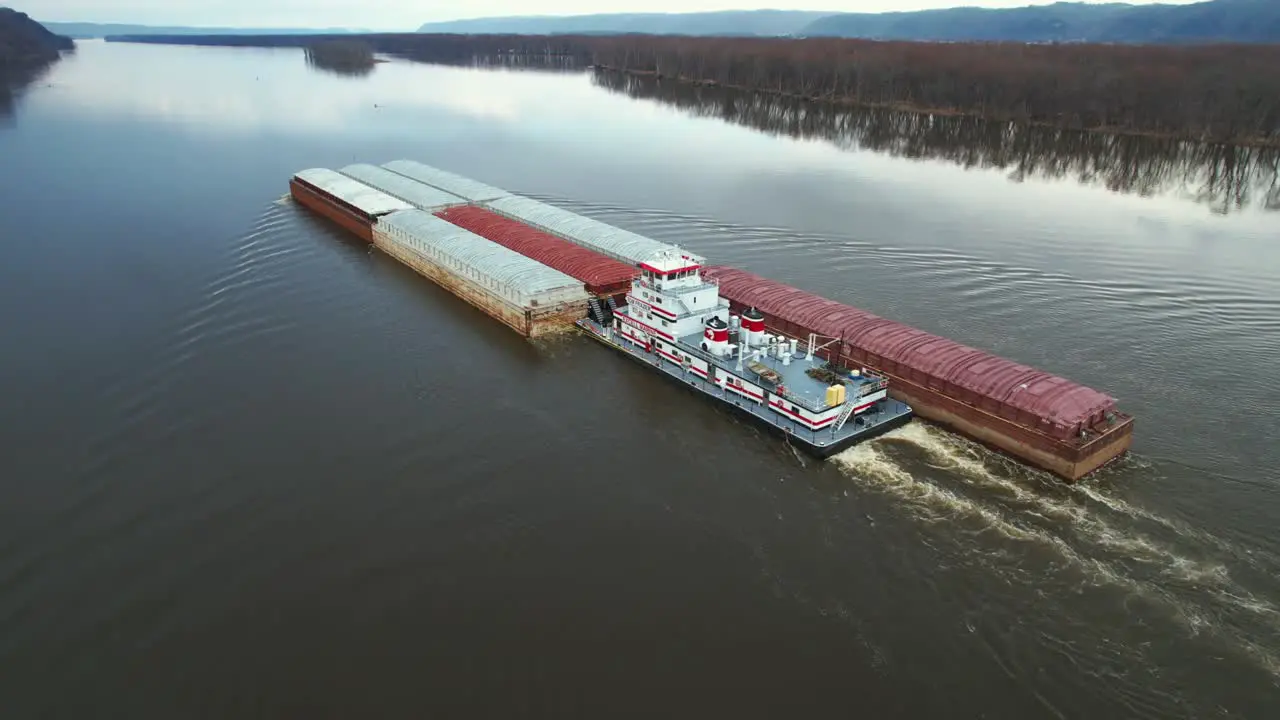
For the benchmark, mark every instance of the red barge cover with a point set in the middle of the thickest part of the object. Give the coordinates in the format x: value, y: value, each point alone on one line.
x: 601, y: 274
x: 1031, y: 398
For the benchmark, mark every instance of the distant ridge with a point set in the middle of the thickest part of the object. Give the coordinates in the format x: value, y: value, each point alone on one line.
x: 84, y: 30
x: 1214, y: 20
x: 728, y: 22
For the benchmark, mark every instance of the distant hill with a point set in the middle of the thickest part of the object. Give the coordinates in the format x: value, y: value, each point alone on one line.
x: 27, y: 48
x: 729, y: 22
x: 1225, y: 20
x: 97, y: 30
x: 26, y: 45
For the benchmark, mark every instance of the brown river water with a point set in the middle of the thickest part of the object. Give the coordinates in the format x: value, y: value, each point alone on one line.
x: 251, y: 468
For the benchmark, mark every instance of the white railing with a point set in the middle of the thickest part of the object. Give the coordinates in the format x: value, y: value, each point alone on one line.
x: 804, y: 402
x: 670, y: 290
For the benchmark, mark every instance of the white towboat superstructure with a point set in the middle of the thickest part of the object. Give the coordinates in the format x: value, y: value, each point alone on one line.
x: 676, y: 321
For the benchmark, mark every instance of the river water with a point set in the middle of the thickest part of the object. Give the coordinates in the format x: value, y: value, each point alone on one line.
x: 252, y: 468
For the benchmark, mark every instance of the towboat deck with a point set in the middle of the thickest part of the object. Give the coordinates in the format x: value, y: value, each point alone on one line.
x: 879, y: 419
x: 799, y: 387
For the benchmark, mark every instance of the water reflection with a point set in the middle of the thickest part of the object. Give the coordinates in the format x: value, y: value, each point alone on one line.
x: 1225, y: 178
x: 12, y: 85
x: 513, y: 61
x: 339, y: 68
x: 348, y: 58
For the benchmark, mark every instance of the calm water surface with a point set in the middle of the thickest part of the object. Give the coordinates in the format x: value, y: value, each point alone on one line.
x: 251, y: 468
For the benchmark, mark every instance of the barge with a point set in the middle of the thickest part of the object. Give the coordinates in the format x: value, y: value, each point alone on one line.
x: 621, y: 245
x: 351, y: 204
x: 521, y: 293
x: 473, y: 191
x: 742, y: 339
x: 394, y: 214
x: 422, y: 197
x: 675, y: 322
x: 603, y: 277
x: 1047, y: 421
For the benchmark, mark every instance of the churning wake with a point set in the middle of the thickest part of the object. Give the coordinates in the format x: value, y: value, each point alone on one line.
x: 984, y: 500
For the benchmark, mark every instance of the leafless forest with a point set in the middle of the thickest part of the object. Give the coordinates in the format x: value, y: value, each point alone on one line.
x: 1203, y: 92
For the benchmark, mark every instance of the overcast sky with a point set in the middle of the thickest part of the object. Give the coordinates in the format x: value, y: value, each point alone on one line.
x: 409, y: 14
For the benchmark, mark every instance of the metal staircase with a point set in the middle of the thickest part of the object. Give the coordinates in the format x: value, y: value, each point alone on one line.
x: 596, y: 311
x: 844, y: 416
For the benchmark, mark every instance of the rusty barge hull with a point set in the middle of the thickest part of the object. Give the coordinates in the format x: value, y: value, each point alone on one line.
x: 529, y: 322
x: 333, y: 209
x: 1067, y: 461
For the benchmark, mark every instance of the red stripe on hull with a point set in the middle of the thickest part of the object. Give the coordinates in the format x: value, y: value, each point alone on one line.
x: 801, y: 418
x: 633, y: 338
x: 696, y: 370
x: 815, y: 425
x: 744, y: 392
x: 669, y: 356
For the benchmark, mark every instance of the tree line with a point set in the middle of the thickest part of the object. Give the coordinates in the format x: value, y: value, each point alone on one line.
x: 1205, y: 92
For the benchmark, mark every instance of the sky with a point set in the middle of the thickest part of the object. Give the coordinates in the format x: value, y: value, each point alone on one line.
x: 410, y: 14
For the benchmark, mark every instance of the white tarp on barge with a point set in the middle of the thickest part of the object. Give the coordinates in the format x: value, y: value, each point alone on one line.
x: 506, y: 273
x: 619, y: 244
x: 354, y: 193
x: 463, y: 187
x: 420, y: 195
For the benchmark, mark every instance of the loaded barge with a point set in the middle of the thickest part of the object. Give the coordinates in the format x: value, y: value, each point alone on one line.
x: 822, y: 374
x: 523, y: 294
x: 351, y: 204
x: 1047, y: 421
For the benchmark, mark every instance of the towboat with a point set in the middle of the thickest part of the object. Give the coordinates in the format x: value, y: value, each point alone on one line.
x: 672, y: 319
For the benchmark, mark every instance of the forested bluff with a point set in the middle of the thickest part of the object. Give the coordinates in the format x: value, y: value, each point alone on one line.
x: 27, y: 49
